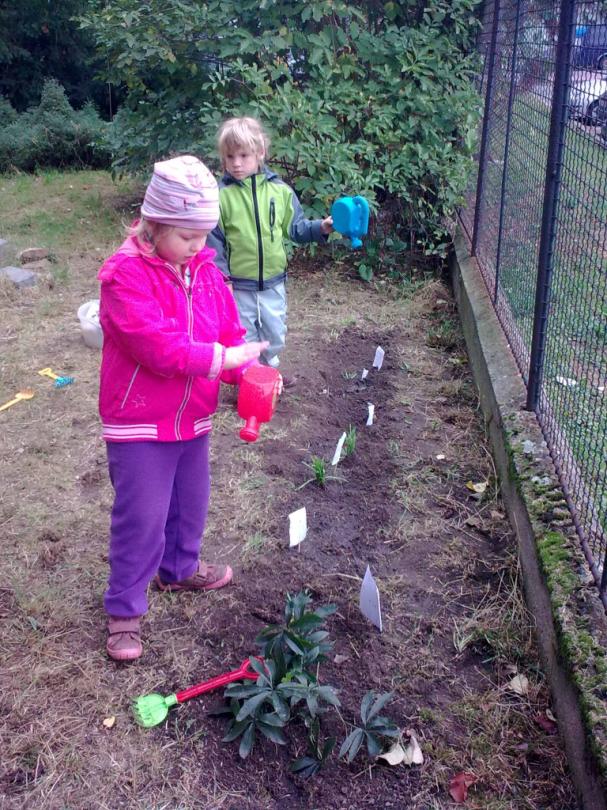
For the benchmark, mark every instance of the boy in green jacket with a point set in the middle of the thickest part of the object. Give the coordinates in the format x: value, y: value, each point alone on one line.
x: 258, y: 211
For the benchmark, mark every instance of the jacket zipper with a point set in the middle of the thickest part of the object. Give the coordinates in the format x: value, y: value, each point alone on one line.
x: 258, y: 228
x: 186, y: 285
x: 272, y: 217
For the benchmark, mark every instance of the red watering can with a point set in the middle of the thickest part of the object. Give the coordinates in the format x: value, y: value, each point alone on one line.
x: 257, y: 397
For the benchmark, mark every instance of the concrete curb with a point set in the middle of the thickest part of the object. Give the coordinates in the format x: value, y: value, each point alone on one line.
x: 571, y: 624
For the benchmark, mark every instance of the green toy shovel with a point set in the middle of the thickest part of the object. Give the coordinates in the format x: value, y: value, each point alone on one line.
x: 150, y: 710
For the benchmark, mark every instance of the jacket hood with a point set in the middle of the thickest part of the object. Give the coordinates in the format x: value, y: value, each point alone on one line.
x: 131, y: 248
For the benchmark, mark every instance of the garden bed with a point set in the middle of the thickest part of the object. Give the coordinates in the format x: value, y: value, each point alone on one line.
x: 455, y: 630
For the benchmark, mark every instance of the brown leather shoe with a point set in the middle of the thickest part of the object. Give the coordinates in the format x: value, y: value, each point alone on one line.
x: 124, y: 642
x: 207, y: 578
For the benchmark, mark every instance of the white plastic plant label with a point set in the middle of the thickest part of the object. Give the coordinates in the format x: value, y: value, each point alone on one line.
x: 379, y: 358
x: 338, y: 449
x: 298, y: 527
x: 365, y: 374
x: 371, y: 415
x: 369, y: 600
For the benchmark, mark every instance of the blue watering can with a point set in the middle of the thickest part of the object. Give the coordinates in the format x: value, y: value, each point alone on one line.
x: 351, y: 218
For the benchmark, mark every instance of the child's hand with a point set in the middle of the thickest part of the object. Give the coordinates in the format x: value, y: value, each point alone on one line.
x: 239, y: 355
x: 326, y: 226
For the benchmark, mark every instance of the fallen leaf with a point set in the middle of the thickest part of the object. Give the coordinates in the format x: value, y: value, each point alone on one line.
x: 497, y: 515
x: 394, y: 755
x: 548, y: 724
x: 109, y: 722
x: 340, y: 659
x: 550, y: 716
x: 458, y: 786
x: 519, y: 684
x: 413, y: 752
x: 479, y: 488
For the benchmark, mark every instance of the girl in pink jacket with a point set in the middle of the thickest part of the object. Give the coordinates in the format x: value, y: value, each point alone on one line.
x: 171, y: 334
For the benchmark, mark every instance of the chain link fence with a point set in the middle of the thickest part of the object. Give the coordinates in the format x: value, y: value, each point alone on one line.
x: 537, y: 222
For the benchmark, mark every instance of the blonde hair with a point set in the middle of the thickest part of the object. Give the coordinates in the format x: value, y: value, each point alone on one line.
x: 242, y: 132
x: 147, y: 233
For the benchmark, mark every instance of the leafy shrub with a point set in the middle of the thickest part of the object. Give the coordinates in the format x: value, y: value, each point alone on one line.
x: 375, y: 729
x: 52, y: 134
x: 7, y: 113
x: 369, y: 98
x: 286, y: 687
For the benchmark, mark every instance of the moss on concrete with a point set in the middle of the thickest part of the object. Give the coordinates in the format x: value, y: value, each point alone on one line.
x: 562, y: 564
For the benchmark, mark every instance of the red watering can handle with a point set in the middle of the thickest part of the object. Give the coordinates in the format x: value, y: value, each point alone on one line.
x: 244, y: 671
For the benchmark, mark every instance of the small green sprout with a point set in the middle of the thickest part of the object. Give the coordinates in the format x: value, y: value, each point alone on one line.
x: 350, y: 441
x: 318, y: 466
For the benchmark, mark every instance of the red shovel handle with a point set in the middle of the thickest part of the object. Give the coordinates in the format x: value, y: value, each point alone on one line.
x: 244, y: 671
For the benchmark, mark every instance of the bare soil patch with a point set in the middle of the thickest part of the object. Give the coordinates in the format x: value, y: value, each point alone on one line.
x: 455, y: 628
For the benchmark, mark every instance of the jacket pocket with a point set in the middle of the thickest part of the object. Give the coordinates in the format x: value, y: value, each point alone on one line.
x: 130, y: 386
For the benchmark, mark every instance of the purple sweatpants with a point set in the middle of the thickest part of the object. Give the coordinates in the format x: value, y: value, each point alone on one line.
x: 158, y: 517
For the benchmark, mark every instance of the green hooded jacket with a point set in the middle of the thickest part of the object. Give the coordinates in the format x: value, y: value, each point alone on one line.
x: 256, y: 215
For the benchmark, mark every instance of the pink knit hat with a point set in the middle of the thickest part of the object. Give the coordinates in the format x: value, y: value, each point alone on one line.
x: 182, y: 192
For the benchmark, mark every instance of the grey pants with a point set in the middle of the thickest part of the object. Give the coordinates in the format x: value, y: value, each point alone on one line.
x: 264, y: 316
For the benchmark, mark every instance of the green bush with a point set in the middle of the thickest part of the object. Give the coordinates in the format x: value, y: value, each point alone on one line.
x: 7, y: 113
x: 369, y: 98
x: 52, y: 134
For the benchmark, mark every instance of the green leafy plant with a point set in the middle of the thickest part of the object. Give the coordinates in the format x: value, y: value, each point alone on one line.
x: 256, y: 707
x: 374, y: 729
x: 301, y: 641
x: 350, y: 441
x: 286, y: 689
x: 318, y: 754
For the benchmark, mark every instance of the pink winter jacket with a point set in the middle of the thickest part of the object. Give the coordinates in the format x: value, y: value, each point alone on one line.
x: 164, y: 345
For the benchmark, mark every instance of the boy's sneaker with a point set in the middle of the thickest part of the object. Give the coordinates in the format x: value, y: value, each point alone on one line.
x: 124, y: 642
x: 207, y: 578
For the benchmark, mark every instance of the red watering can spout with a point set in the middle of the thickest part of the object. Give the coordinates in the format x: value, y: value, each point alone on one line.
x: 250, y: 432
x: 257, y: 399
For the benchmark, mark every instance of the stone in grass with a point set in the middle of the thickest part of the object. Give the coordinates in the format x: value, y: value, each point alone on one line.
x: 19, y: 276
x: 33, y: 255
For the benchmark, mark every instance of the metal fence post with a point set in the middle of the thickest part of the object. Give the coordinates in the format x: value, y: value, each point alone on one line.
x: 558, y: 124
x: 498, y: 255
x: 485, y: 131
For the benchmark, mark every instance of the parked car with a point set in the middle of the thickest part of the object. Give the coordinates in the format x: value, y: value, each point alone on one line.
x: 590, y: 48
x: 587, y: 97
